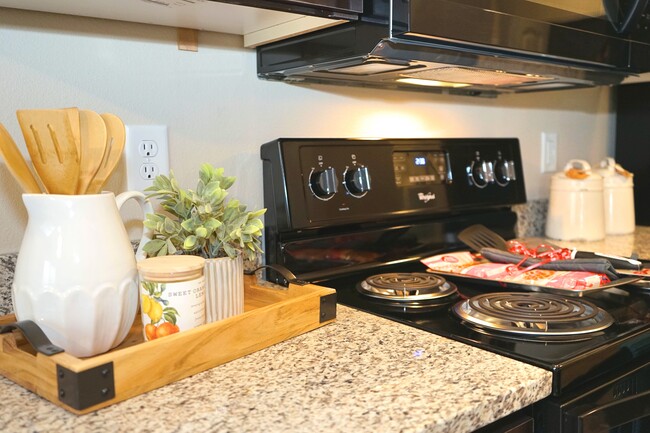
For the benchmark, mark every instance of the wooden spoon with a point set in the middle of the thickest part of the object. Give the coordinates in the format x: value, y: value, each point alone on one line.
x: 93, y: 144
x: 16, y: 163
x: 115, y: 139
x: 50, y: 143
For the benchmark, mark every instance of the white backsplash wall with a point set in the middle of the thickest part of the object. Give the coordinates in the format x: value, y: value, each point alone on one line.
x: 218, y: 111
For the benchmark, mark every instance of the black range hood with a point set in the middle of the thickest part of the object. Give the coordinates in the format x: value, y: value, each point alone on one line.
x: 471, y: 47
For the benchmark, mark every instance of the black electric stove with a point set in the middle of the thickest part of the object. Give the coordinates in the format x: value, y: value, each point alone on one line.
x: 358, y: 215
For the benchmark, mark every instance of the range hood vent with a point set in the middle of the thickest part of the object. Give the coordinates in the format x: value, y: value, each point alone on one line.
x: 476, y: 77
x: 490, y: 53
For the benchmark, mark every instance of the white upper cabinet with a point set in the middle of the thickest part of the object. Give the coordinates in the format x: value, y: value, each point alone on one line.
x: 258, y: 26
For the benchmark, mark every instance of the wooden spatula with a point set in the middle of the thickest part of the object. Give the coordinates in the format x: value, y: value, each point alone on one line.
x: 115, y: 139
x: 73, y: 117
x: 93, y: 144
x: 51, y: 145
x: 16, y: 163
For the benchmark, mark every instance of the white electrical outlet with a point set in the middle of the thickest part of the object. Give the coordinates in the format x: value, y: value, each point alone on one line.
x: 147, y: 155
x: 549, y: 152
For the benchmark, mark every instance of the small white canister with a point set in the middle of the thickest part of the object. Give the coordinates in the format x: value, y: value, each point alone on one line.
x: 618, y: 197
x: 172, y: 294
x: 575, y: 210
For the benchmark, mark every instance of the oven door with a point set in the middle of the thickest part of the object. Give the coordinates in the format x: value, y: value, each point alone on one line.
x: 621, y: 405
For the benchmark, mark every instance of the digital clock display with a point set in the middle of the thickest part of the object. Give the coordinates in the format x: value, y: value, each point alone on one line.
x: 421, y: 168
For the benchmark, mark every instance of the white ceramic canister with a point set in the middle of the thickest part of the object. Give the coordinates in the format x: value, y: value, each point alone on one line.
x: 618, y: 198
x: 172, y: 294
x: 575, y: 210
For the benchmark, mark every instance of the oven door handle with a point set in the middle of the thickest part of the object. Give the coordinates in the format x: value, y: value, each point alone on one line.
x: 607, y: 416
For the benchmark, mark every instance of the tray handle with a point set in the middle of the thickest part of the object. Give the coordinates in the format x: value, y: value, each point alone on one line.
x: 286, y: 274
x: 34, y: 335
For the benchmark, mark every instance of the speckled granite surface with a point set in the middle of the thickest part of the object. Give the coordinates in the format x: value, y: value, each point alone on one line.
x: 7, y: 267
x: 624, y: 245
x: 361, y: 373
x: 531, y: 218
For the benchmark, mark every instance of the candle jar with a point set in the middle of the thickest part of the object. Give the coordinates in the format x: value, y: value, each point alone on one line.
x: 172, y: 294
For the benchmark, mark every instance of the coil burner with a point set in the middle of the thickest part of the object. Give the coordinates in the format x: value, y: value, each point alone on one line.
x: 410, y: 292
x: 533, y: 315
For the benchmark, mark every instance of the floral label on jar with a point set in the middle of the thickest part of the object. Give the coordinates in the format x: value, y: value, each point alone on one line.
x: 170, y: 307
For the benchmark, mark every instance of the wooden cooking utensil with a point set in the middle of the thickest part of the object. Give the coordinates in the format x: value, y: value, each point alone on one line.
x: 115, y: 139
x: 16, y: 163
x: 73, y: 116
x: 51, y: 146
x: 93, y: 144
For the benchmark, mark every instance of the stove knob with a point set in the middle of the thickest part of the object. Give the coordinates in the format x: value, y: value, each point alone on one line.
x: 502, y: 172
x: 480, y: 173
x: 357, y: 181
x: 323, y: 183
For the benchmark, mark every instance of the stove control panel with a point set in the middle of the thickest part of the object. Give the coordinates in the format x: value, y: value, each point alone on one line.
x: 483, y: 172
x: 312, y: 183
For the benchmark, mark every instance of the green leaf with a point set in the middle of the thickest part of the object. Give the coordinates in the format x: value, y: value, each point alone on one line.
x: 189, y: 225
x: 201, y: 232
x: 189, y: 243
x: 257, y: 213
x: 170, y: 247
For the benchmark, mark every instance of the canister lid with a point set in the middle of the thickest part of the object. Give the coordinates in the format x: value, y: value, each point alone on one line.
x: 577, y: 176
x: 615, y: 176
x: 171, y: 268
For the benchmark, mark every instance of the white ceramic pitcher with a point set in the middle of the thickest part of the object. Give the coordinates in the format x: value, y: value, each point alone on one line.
x: 76, y: 274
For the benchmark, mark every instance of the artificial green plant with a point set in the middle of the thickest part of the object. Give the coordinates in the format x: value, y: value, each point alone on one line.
x: 202, y: 222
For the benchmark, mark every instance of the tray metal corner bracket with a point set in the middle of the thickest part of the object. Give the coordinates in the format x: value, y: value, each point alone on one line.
x: 81, y: 390
x: 327, y: 307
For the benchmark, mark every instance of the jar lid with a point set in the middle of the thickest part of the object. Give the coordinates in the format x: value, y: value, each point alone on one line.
x: 171, y: 268
x: 614, y: 175
x: 577, y: 176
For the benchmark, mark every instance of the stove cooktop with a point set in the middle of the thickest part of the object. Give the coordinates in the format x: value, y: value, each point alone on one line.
x: 573, y: 359
x: 341, y: 210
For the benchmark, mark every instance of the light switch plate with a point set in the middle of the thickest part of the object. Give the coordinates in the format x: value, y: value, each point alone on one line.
x: 549, y: 152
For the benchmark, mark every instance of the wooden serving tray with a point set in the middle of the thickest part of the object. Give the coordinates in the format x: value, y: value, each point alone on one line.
x: 81, y: 385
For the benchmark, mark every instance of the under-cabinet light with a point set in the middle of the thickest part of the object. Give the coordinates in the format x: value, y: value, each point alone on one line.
x: 433, y: 83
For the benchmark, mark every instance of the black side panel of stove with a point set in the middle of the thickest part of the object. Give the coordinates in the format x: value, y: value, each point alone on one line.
x: 633, y: 143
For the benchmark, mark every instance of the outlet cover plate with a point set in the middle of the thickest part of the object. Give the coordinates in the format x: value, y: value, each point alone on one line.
x: 147, y: 155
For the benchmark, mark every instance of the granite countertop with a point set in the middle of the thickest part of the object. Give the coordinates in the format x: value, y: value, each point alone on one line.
x: 623, y: 245
x: 360, y: 373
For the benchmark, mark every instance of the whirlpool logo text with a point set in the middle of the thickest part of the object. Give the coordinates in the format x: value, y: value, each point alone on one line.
x: 426, y: 197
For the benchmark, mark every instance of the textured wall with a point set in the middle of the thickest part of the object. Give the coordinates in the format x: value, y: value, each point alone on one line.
x: 219, y: 112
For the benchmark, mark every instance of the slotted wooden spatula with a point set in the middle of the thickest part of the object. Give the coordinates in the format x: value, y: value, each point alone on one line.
x: 16, y: 163
x: 51, y: 145
x: 92, y: 130
x: 115, y: 139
